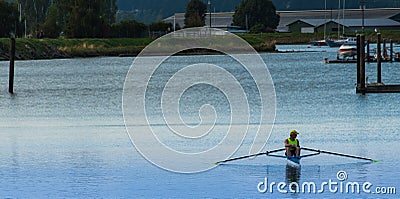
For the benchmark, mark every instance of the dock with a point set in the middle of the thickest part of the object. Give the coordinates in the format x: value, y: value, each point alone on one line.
x: 340, y: 61
x: 352, y: 61
x: 379, y: 86
x: 368, y: 58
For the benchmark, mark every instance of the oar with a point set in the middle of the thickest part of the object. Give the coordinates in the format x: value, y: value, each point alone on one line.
x: 248, y: 156
x: 340, y: 154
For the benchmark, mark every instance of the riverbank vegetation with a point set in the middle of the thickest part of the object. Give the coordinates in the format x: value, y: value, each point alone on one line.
x: 32, y: 48
x: 67, y: 48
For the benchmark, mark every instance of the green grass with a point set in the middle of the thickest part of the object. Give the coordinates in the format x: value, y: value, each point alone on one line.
x: 281, y: 38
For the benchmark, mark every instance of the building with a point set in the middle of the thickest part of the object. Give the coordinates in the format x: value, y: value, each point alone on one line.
x: 305, y: 25
x: 221, y: 20
x: 348, y: 25
x: 288, y: 17
x: 312, y: 19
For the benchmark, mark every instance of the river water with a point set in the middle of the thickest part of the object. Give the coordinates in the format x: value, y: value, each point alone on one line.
x: 62, y: 134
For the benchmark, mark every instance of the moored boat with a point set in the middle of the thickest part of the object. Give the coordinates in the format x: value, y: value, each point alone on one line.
x: 347, y: 50
x: 338, y: 43
x: 397, y: 56
x: 319, y: 43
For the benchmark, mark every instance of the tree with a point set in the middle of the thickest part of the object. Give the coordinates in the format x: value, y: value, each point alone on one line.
x: 258, y: 28
x: 8, y: 18
x: 85, y: 19
x: 129, y: 29
x: 259, y: 15
x: 34, y: 12
x: 54, y: 24
x: 161, y: 26
x: 195, y: 14
x: 80, y: 18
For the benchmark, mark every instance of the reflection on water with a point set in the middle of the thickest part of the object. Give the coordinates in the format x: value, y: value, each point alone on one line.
x: 293, y: 175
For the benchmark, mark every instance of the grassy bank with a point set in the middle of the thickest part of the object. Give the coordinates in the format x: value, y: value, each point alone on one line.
x: 27, y: 49
x: 279, y: 38
x: 66, y: 48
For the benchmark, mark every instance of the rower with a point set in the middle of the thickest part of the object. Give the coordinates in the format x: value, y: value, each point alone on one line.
x: 292, y: 144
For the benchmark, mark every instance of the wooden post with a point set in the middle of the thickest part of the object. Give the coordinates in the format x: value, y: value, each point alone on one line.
x: 378, y: 60
x: 11, y: 74
x: 361, y: 88
x: 391, y: 50
x: 384, y: 44
x: 368, y: 56
x: 384, y: 50
x: 362, y: 63
x: 358, y: 61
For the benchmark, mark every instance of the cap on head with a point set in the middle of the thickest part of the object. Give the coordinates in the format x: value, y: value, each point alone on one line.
x: 293, y: 132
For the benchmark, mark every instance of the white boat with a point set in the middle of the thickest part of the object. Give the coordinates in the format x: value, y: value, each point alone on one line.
x: 347, y: 50
x: 319, y: 43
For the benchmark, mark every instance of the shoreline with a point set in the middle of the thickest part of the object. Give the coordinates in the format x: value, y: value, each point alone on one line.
x: 36, y: 49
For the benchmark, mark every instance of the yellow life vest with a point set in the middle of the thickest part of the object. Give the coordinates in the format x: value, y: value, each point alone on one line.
x: 295, y: 142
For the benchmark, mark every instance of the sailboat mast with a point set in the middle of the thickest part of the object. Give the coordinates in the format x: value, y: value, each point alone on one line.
x: 338, y: 25
x: 344, y: 5
x: 325, y: 22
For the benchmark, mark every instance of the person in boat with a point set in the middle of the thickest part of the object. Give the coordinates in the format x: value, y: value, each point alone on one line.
x: 292, y: 144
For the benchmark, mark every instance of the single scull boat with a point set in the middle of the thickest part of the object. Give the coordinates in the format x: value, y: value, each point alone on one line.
x: 295, y: 161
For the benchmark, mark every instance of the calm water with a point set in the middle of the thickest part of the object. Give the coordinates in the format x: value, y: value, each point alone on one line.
x: 63, y: 134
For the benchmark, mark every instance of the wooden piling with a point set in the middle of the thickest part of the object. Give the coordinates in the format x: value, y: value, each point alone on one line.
x: 391, y: 50
x: 362, y: 63
x: 358, y: 61
x: 368, y: 56
x: 384, y: 44
x: 379, y: 59
x: 384, y: 51
x: 11, y: 73
x: 361, y: 86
